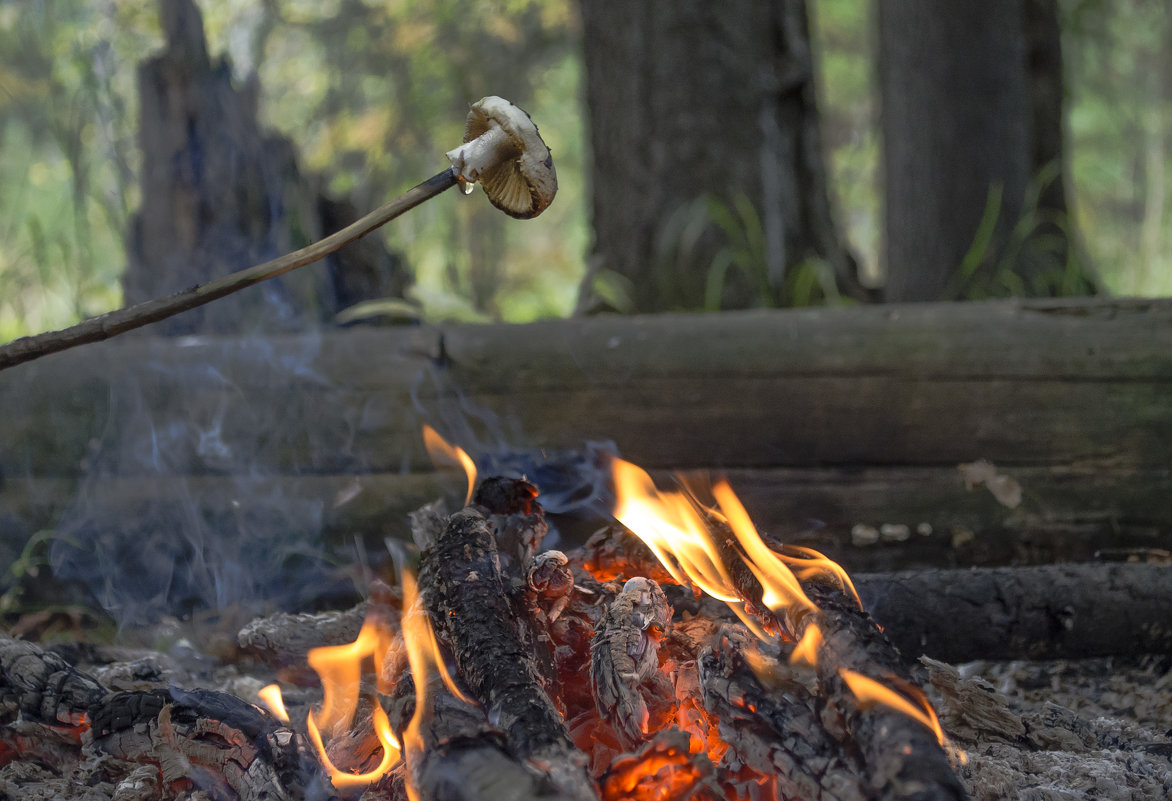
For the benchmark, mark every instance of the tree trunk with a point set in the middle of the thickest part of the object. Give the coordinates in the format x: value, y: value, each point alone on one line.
x: 1052, y: 262
x: 705, y: 134
x: 219, y: 194
x: 955, y: 124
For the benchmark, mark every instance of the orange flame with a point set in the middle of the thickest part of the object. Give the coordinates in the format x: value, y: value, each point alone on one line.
x: 271, y: 696
x: 870, y: 692
x: 674, y: 525
x: 340, y: 668
x: 425, y: 659
x: 442, y: 452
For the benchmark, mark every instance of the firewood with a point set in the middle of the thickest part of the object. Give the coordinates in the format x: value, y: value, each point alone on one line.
x: 463, y: 757
x: 207, y: 740
x: 775, y: 730
x: 1042, y: 612
x: 624, y: 662
x: 460, y: 576
x: 902, y: 758
x: 43, y: 688
x: 282, y: 640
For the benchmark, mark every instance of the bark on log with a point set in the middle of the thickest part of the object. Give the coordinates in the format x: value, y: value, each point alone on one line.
x: 1042, y: 612
x: 460, y: 577
x: 463, y: 758
x: 775, y: 730
x: 901, y: 756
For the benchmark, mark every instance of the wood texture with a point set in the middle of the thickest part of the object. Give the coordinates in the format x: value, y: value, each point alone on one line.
x: 824, y: 419
x: 461, y: 579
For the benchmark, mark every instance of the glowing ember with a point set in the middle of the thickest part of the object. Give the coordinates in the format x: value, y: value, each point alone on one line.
x: 442, y: 452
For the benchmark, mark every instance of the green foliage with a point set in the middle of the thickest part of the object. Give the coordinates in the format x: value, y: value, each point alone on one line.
x: 741, y: 257
x: 372, y: 94
x: 1034, y: 260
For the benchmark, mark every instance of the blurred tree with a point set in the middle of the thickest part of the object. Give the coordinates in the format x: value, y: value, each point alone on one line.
x: 974, y: 190
x: 709, y: 186
x: 219, y: 194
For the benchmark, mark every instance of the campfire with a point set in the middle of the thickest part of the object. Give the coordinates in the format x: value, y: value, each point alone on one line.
x: 678, y: 654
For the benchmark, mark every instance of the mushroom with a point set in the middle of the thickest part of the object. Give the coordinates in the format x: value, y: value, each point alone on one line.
x: 503, y: 151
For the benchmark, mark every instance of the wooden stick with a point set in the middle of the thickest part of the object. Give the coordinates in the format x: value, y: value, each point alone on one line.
x: 120, y: 321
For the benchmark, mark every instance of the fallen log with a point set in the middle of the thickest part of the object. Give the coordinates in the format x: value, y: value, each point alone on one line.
x: 880, y: 405
x: 461, y: 579
x: 1040, y: 612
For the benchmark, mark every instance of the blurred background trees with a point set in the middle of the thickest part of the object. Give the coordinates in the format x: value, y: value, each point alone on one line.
x: 370, y: 94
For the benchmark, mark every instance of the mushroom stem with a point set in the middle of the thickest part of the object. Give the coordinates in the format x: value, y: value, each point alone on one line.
x: 471, y: 159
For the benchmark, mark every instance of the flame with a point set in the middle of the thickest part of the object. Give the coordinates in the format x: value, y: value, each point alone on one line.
x: 442, y: 452
x: 340, y: 668
x: 806, y: 651
x: 677, y: 527
x: 425, y: 659
x: 870, y: 692
x: 271, y: 696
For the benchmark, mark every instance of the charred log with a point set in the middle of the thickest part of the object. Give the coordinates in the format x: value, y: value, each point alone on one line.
x: 624, y: 661
x: 460, y: 756
x: 902, y: 758
x: 1040, y: 612
x: 207, y: 740
x: 460, y: 577
x: 43, y: 688
x: 775, y: 730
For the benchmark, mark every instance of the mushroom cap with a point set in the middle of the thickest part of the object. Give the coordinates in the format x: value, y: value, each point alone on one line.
x: 524, y: 183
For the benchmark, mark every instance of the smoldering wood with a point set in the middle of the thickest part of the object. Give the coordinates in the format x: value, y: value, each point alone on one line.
x: 1066, y: 611
x: 824, y: 420
x: 43, y: 688
x: 901, y: 757
x: 775, y: 730
x: 463, y: 757
x: 682, y: 775
x: 210, y: 740
x: 1041, y: 612
x: 460, y: 577
x: 624, y: 661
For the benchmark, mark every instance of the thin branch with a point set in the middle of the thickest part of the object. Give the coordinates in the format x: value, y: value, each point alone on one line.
x: 120, y: 321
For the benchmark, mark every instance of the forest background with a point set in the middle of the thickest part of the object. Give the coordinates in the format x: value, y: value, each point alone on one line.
x: 372, y: 95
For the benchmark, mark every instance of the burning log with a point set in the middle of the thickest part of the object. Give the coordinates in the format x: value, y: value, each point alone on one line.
x: 1070, y: 611
x: 460, y: 575
x: 775, y: 730
x: 460, y: 756
x: 624, y: 662
x: 856, y: 667
x: 281, y: 641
